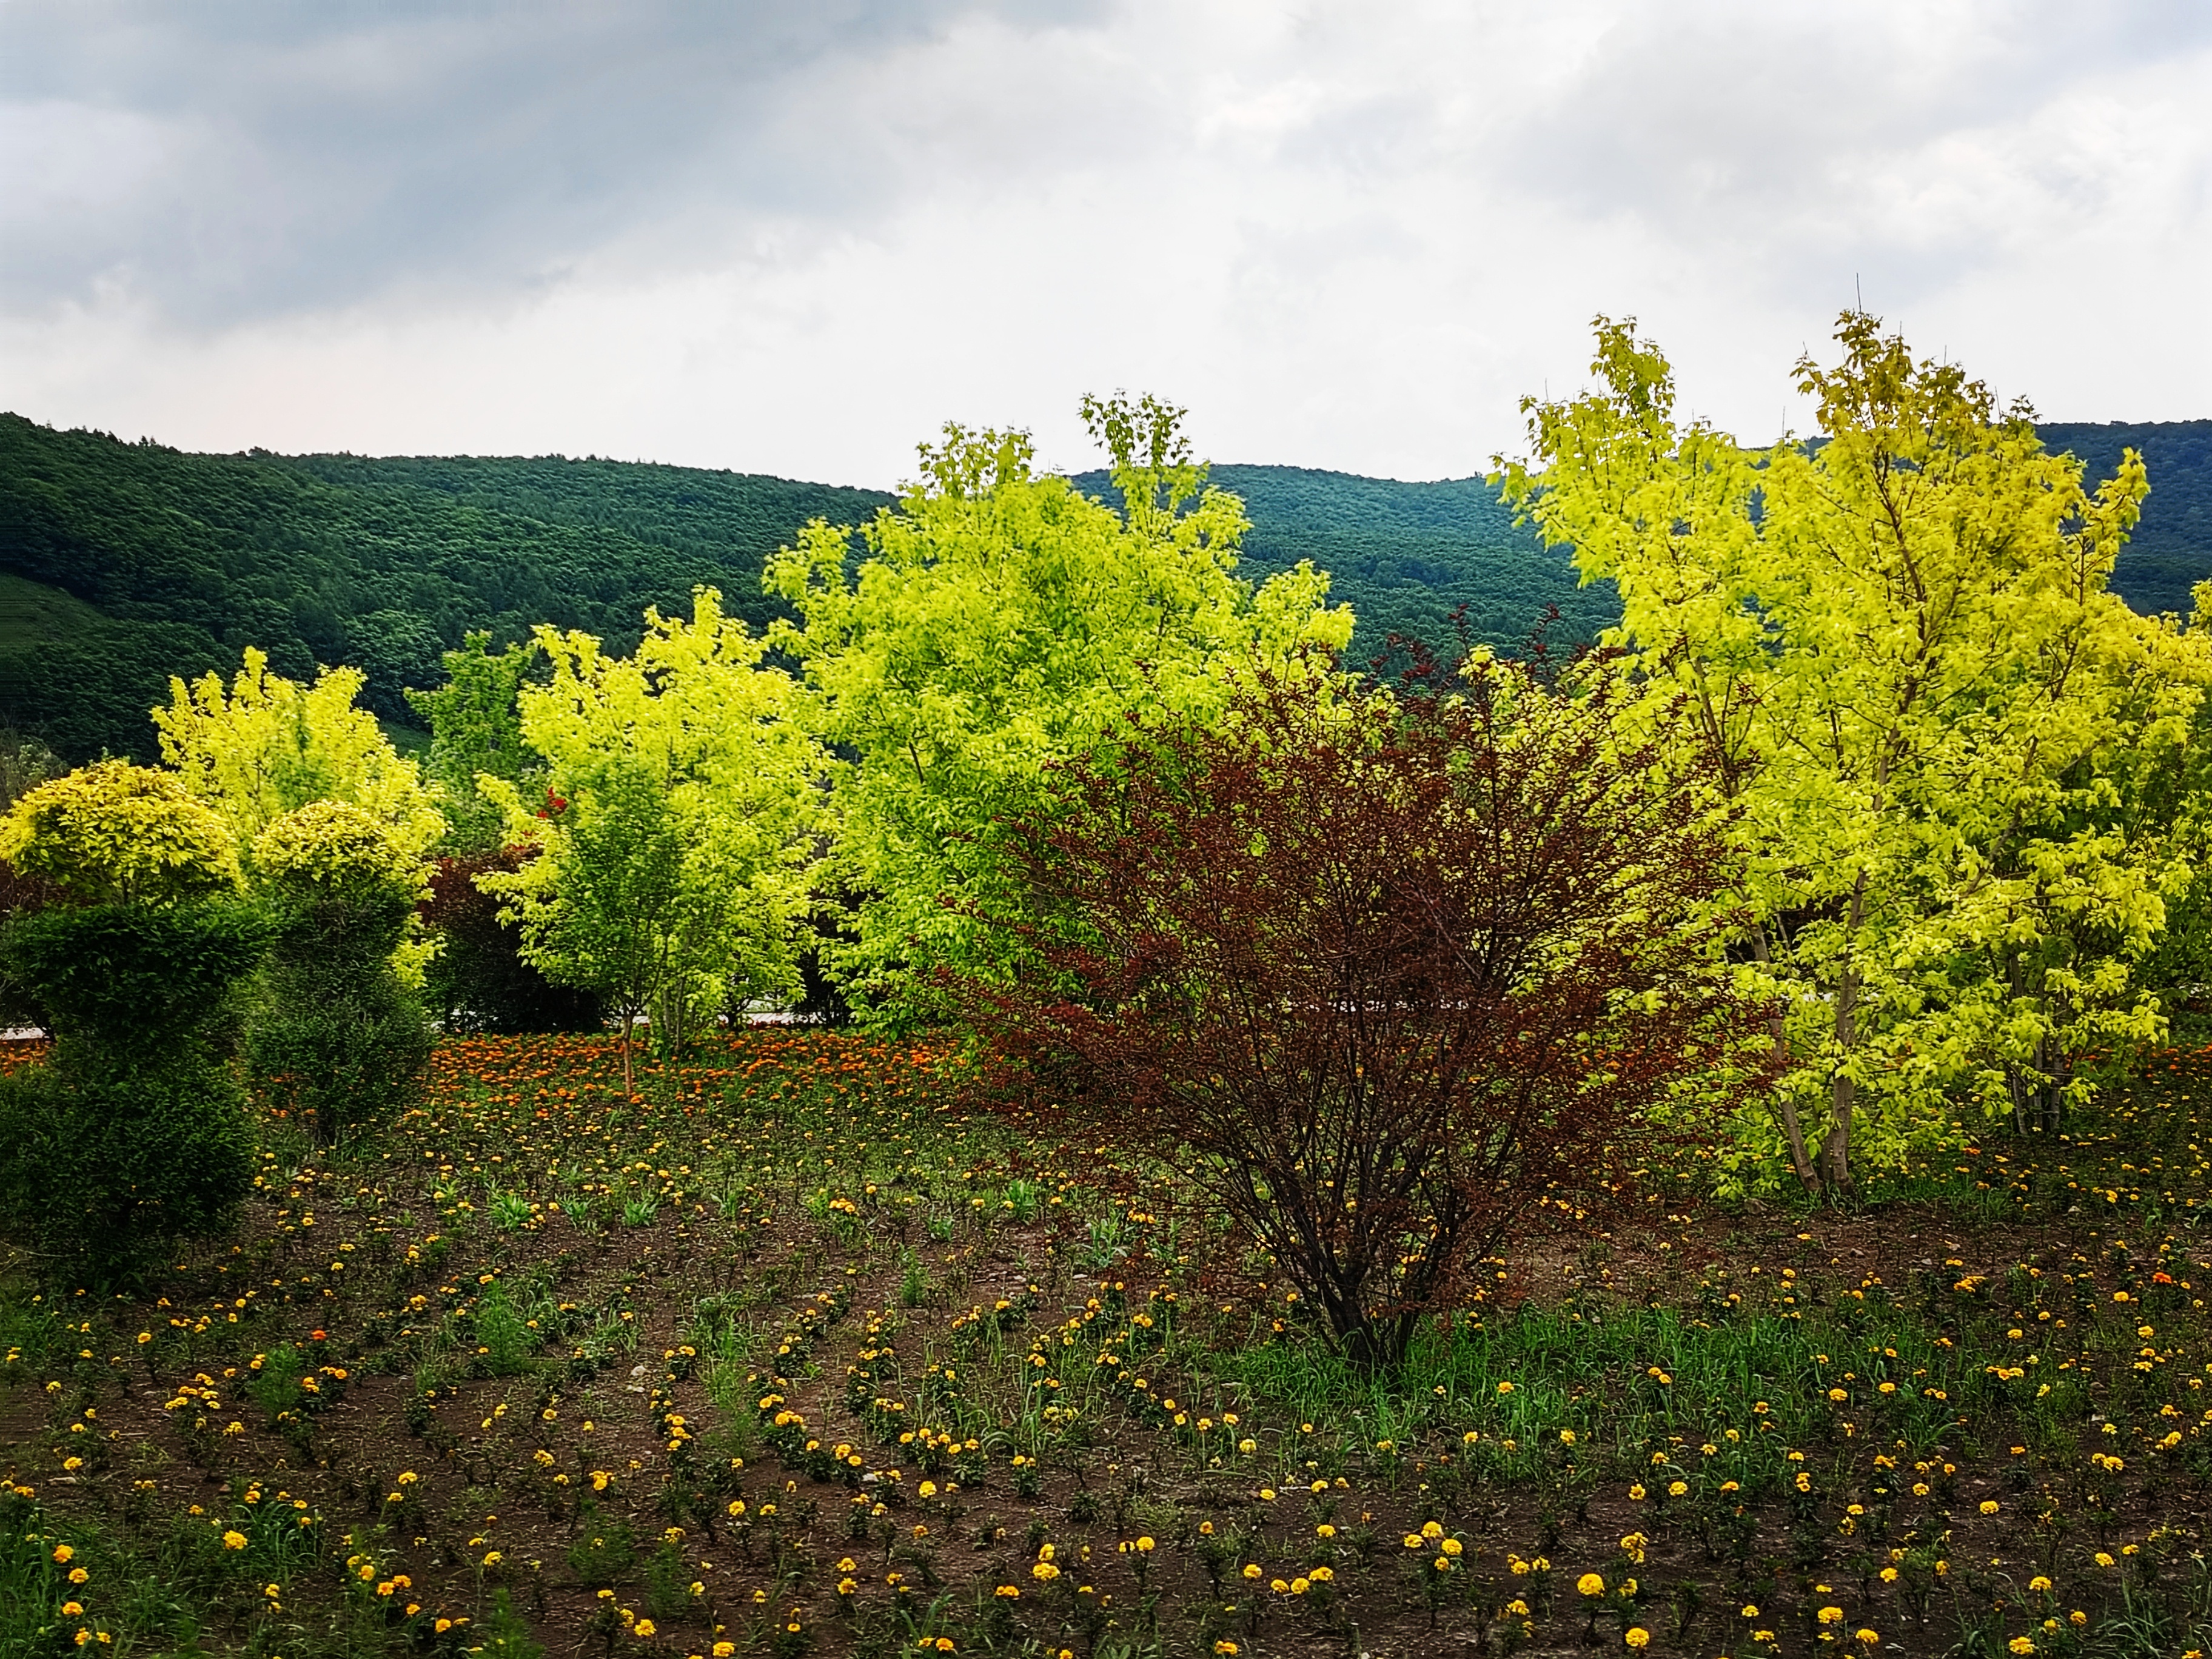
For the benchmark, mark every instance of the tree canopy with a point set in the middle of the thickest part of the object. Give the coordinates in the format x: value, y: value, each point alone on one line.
x: 999, y: 624
x: 683, y: 808
x: 1923, y: 703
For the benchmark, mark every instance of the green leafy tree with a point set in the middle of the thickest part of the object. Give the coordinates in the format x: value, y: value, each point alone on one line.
x: 133, y: 1133
x: 1923, y: 705
x: 476, y: 729
x: 682, y: 808
x: 999, y: 624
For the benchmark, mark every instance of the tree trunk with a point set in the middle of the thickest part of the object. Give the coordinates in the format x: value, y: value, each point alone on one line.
x: 1778, y: 1023
x: 1842, y: 1090
x: 2016, y: 1084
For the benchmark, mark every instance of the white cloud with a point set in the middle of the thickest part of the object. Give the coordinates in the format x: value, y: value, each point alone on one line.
x: 1349, y: 236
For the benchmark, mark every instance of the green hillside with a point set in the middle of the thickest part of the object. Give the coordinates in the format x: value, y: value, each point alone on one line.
x: 121, y: 564
x: 1408, y: 555
x: 186, y: 559
x: 2172, y: 550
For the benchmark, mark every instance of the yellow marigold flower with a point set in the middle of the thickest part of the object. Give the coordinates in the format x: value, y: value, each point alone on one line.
x: 1590, y: 1583
x: 234, y: 1540
x: 1637, y: 1637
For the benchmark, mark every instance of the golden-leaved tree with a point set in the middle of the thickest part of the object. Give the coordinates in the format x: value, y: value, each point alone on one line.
x: 1926, y: 709
x: 684, y: 802
x: 266, y: 745
x: 1000, y: 623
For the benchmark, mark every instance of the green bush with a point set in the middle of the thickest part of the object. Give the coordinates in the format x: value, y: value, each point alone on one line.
x: 337, y: 1039
x: 134, y: 1134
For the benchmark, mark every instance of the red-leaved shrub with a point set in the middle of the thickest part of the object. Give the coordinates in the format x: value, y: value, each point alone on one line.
x: 1379, y: 973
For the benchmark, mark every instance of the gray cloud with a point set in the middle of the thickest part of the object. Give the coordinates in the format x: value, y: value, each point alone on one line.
x: 796, y: 236
x: 228, y: 160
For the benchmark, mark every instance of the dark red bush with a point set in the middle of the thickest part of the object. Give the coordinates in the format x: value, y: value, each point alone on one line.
x: 478, y: 982
x: 1379, y: 973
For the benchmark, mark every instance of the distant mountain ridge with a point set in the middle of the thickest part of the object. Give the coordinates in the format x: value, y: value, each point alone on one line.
x: 2171, y: 550
x: 122, y: 564
x: 1408, y: 556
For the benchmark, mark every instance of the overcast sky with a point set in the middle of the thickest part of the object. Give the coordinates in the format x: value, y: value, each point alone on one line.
x: 797, y: 237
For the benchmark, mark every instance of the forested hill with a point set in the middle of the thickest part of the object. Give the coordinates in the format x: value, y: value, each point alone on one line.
x: 1406, y: 556
x: 2172, y: 549
x: 122, y: 564
x: 142, y: 561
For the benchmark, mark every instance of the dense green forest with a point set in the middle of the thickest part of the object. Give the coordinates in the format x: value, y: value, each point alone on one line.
x: 2172, y: 550
x: 1408, y: 556
x: 121, y: 564
x: 184, y: 560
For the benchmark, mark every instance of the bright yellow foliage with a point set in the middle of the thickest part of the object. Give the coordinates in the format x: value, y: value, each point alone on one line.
x: 332, y: 844
x: 1924, y: 711
x: 269, y: 746
x: 119, y: 832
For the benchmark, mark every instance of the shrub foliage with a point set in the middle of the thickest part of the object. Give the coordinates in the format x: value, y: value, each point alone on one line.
x: 337, y: 1037
x: 1381, y: 976
x: 134, y: 1134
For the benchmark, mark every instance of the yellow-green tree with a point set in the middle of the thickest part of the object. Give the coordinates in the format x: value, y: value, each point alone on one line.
x: 267, y: 745
x: 1001, y: 623
x: 684, y: 805
x: 1899, y: 645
